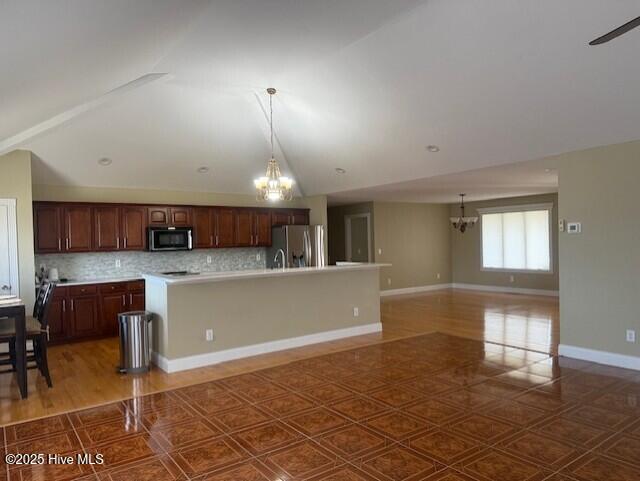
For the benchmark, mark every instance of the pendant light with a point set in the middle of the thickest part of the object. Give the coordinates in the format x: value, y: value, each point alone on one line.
x: 273, y: 186
x: 461, y: 223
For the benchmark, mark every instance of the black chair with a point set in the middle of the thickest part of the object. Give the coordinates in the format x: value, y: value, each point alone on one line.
x: 37, y: 327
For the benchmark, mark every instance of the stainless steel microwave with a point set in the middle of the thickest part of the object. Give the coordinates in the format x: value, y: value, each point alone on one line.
x: 170, y: 239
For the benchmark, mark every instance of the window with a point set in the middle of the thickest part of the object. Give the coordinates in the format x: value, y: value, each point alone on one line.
x: 517, y: 238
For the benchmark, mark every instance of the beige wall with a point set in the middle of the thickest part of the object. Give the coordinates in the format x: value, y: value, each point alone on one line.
x: 416, y: 240
x: 253, y: 311
x: 316, y: 204
x: 15, y: 183
x: 466, y: 249
x: 336, y: 215
x: 600, y: 268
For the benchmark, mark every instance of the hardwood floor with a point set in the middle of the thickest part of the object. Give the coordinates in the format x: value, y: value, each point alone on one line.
x: 84, y: 374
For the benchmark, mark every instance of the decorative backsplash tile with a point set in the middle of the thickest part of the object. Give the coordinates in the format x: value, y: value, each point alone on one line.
x: 97, y: 265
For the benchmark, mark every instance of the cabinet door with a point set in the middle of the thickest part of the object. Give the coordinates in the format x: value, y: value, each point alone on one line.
x: 262, y: 228
x: 244, y: 228
x: 47, y: 228
x: 110, y: 306
x: 180, y: 216
x: 225, y: 228
x: 203, y: 219
x: 133, y: 228
x: 84, y: 317
x: 107, y: 228
x: 299, y: 217
x: 57, y: 316
x: 279, y: 217
x: 78, y: 228
x: 158, y: 215
x: 136, y: 301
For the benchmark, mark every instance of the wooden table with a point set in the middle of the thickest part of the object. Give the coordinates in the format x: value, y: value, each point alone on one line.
x: 14, y: 309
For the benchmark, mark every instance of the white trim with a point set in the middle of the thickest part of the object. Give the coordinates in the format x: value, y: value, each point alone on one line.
x: 347, y: 236
x: 515, y: 208
x: 413, y: 290
x: 12, y: 241
x: 506, y: 289
x: 600, y: 357
x: 209, y: 358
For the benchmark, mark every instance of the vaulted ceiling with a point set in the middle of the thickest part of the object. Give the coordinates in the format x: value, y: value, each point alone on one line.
x: 364, y: 85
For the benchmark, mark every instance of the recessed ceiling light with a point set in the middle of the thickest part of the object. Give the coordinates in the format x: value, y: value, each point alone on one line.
x: 203, y: 170
x: 340, y: 170
x: 104, y: 161
x: 433, y: 148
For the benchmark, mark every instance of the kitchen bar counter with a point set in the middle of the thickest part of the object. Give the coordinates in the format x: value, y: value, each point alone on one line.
x: 104, y: 280
x: 258, y: 311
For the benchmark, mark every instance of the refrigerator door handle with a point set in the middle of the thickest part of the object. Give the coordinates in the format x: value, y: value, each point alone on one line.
x: 307, y: 248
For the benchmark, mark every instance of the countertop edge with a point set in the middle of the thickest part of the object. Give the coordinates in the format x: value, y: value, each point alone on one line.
x: 224, y: 276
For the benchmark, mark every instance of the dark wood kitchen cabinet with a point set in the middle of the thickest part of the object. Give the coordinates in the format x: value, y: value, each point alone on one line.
x: 225, y: 227
x: 203, y: 227
x: 253, y: 227
x: 261, y: 228
x: 169, y: 216
x: 134, y: 228
x: 78, y: 228
x: 244, y: 228
x: 47, y: 228
x: 289, y: 217
x: 90, y: 311
x: 107, y: 222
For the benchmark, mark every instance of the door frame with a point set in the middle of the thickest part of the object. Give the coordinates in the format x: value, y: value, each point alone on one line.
x: 347, y: 234
x: 12, y: 221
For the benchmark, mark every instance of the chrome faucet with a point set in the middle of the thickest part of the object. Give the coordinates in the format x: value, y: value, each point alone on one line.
x: 275, y: 259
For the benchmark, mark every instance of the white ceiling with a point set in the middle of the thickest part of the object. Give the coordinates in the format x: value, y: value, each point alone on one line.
x: 363, y: 84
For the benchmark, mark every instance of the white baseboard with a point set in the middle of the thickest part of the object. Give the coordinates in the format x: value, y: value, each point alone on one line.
x: 413, y: 290
x: 600, y: 357
x: 473, y: 287
x: 207, y: 359
x: 506, y: 289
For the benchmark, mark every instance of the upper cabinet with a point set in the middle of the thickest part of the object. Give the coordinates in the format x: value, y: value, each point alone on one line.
x: 171, y: 216
x: 76, y: 227
x: 289, y: 217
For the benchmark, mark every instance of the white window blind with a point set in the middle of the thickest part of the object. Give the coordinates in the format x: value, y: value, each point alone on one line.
x: 516, y: 240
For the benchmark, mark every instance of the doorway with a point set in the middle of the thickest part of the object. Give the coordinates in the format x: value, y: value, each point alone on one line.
x: 357, y: 229
x: 9, y: 285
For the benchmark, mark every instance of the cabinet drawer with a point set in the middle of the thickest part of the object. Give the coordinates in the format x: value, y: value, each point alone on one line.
x: 113, y: 287
x: 82, y: 290
x: 135, y: 286
x: 59, y: 292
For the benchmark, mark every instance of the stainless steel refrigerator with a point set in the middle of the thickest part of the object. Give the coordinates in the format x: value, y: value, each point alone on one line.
x: 302, y: 246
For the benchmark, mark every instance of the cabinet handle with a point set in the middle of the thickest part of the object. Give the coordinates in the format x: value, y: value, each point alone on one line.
x: 64, y: 305
x: 125, y: 242
x: 72, y: 305
x: 130, y: 299
x: 67, y: 243
x: 211, y: 239
x: 124, y: 302
x: 118, y: 243
x: 217, y: 240
x: 59, y: 244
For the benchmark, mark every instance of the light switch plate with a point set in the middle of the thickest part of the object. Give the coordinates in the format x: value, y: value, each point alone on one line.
x: 631, y: 335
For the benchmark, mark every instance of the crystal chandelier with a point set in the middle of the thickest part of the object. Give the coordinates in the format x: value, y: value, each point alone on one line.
x: 461, y: 223
x: 273, y: 186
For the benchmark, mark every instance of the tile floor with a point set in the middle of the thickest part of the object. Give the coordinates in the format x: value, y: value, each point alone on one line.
x: 431, y: 407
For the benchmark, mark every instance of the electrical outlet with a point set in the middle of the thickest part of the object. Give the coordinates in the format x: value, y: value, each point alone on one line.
x: 379, y: 252
x: 561, y: 224
x: 438, y: 275
x: 208, y: 259
x: 258, y: 256
x: 43, y: 267
x: 356, y: 312
x: 118, y: 264
x: 208, y: 334
x: 388, y: 281
x: 512, y: 279
x: 631, y: 335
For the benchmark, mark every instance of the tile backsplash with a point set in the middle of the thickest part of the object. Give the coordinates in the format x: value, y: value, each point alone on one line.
x: 97, y: 265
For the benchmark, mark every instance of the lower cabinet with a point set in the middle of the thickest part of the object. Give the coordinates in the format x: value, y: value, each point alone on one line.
x: 91, y: 310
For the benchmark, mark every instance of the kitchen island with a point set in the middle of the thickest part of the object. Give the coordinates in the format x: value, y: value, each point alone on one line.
x: 253, y: 312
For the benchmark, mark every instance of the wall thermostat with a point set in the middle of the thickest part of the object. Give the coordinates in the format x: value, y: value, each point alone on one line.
x: 574, y: 227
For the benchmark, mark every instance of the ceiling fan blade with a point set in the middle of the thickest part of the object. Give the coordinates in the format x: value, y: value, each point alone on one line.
x: 617, y: 32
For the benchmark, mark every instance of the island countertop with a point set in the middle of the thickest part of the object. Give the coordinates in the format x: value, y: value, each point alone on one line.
x: 220, y: 276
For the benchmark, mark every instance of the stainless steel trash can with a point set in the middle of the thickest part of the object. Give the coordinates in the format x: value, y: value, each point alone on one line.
x: 134, y: 341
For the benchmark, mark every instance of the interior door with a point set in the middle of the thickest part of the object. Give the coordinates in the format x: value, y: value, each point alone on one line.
x: 358, y: 238
x: 8, y: 248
